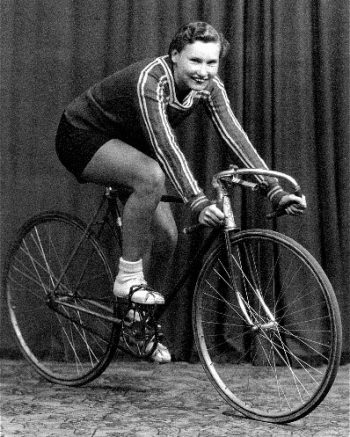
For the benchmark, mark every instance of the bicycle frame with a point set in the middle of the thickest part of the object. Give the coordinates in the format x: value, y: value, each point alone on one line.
x: 112, y: 218
x: 221, y: 181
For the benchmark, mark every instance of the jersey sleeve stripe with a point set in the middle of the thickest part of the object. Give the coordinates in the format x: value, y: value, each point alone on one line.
x: 169, y: 137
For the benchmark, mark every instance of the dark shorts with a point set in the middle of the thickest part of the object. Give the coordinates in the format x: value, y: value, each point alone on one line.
x: 75, y: 147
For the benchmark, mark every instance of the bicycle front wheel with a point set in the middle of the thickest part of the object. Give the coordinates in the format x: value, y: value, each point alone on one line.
x: 56, y: 279
x: 267, y: 326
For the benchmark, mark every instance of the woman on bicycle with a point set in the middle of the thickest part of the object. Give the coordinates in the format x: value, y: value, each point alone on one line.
x: 120, y: 131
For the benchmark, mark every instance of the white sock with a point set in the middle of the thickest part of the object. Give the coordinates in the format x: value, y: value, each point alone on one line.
x: 130, y: 273
x: 129, y: 270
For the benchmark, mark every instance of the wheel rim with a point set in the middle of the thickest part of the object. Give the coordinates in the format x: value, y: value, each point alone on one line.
x: 270, y: 371
x: 64, y: 344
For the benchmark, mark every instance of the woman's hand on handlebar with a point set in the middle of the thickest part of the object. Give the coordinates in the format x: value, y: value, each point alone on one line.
x: 211, y: 216
x: 292, y: 204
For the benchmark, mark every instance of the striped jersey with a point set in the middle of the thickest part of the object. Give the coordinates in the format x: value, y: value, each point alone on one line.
x: 138, y: 105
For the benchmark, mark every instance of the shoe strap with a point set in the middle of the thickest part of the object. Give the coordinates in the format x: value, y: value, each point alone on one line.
x: 135, y: 288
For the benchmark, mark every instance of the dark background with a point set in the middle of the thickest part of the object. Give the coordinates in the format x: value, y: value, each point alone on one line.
x: 286, y: 74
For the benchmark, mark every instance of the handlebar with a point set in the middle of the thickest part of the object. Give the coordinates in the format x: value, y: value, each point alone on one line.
x: 232, y: 176
x: 233, y: 173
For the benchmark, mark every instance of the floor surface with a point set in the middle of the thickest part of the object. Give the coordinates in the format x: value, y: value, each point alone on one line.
x: 140, y: 399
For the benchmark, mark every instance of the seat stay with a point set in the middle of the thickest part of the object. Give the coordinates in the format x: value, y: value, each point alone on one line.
x: 86, y: 232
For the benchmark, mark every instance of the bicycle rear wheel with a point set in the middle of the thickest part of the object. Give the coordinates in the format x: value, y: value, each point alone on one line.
x: 56, y: 334
x: 277, y: 363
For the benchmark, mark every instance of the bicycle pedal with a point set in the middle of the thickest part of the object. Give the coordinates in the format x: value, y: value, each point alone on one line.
x: 132, y: 316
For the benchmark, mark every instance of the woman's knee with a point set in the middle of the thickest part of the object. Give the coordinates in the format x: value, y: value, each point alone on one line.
x: 152, y: 179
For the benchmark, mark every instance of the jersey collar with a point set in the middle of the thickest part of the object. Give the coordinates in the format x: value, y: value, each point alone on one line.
x: 188, y: 101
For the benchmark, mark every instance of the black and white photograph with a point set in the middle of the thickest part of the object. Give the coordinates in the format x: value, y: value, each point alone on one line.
x: 175, y: 218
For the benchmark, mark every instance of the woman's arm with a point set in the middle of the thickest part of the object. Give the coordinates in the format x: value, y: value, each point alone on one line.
x: 152, y: 102
x: 232, y: 133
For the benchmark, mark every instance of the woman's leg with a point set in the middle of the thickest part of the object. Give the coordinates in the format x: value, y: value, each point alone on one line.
x: 118, y: 163
x: 164, y: 240
x: 148, y: 225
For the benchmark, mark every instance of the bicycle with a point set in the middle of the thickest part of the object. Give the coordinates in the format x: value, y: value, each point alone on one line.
x: 270, y: 347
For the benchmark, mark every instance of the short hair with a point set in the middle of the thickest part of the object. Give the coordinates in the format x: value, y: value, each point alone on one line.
x: 198, y: 31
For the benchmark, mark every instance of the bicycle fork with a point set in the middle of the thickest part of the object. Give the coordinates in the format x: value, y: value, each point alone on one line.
x: 230, y: 226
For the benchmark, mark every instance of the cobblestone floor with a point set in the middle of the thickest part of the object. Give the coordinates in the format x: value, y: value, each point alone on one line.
x: 138, y: 399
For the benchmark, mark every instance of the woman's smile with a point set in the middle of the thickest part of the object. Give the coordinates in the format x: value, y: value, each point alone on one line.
x: 195, y: 65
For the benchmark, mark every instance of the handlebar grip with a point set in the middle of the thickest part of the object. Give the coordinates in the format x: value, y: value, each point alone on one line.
x: 282, y: 210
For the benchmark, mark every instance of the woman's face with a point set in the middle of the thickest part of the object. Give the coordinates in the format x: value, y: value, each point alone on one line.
x: 195, y: 65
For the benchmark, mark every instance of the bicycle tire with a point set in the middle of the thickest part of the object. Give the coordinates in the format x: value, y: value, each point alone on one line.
x: 65, y: 345
x: 279, y: 372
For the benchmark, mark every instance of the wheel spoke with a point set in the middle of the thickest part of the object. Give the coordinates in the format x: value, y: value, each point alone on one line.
x: 276, y: 358
x: 64, y: 343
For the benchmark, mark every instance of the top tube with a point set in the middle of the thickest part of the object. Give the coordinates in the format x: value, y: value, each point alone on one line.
x: 121, y: 191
